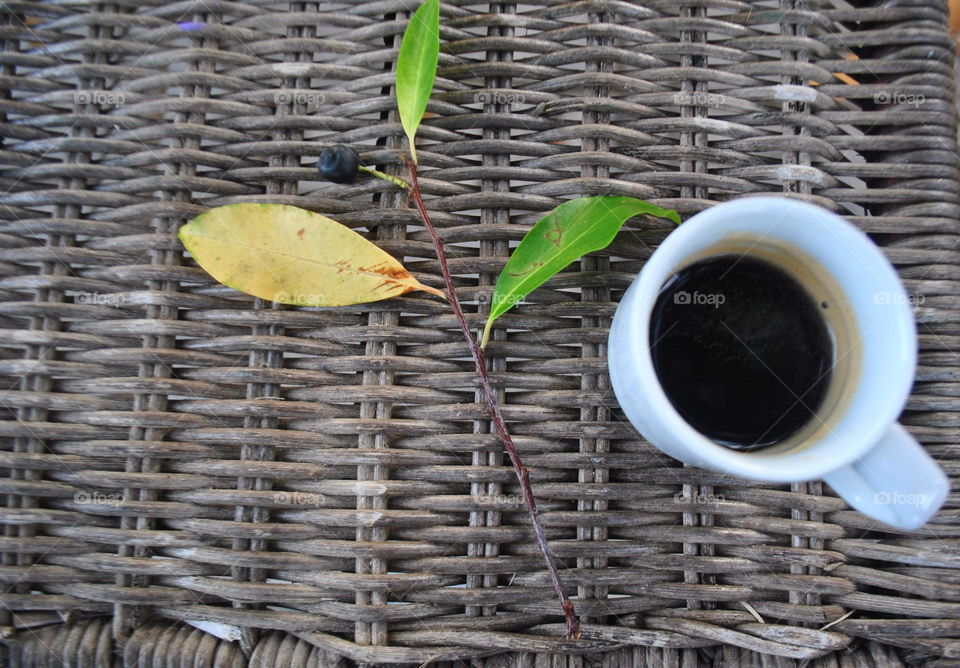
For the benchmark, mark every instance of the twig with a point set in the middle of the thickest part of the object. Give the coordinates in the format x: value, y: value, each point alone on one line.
x: 386, y: 177
x: 753, y: 611
x: 493, y: 409
x: 836, y: 621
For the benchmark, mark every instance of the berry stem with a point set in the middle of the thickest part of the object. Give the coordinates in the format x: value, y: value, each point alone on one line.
x: 386, y: 177
x: 493, y: 409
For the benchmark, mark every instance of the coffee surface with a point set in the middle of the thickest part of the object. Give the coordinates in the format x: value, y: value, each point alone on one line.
x: 741, y: 349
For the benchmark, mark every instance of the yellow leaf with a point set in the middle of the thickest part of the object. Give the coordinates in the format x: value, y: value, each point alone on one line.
x: 294, y: 256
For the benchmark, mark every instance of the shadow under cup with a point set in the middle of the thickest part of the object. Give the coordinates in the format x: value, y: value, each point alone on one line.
x: 836, y: 314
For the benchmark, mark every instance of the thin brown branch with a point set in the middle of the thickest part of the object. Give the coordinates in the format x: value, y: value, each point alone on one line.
x: 493, y: 409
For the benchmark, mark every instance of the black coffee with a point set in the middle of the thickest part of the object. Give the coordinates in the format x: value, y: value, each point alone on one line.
x: 741, y: 350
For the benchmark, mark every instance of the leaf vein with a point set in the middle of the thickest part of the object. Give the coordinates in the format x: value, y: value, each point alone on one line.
x: 338, y: 266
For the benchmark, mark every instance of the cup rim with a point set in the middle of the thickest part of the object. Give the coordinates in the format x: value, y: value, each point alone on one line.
x: 637, y: 305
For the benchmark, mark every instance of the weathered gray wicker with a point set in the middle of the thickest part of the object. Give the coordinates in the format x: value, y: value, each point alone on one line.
x: 319, y: 486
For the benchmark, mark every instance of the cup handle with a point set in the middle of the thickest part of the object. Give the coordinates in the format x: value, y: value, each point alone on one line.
x: 896, y: 481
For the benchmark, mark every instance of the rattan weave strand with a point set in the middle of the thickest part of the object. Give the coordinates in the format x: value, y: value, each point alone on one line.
x: 320, y: 486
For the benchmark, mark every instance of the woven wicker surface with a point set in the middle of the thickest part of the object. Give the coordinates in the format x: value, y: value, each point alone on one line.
x: 319, y: 486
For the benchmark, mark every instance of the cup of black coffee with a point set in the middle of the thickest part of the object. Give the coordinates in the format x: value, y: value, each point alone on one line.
x: 771, y: 339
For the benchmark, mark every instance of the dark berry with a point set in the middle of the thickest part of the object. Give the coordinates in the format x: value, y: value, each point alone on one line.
x: 339, y: 164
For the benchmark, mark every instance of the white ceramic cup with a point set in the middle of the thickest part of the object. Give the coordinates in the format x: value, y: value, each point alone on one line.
x: 854, y: 442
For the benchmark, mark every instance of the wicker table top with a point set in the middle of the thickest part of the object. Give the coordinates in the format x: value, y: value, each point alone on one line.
x: 197, y: 476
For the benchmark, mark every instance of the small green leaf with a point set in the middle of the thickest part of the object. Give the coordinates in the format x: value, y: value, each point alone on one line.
x: 417, y: 68
x: 573, y: 229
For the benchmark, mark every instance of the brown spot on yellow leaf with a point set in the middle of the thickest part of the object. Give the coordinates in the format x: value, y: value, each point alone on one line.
x: 395, y: 272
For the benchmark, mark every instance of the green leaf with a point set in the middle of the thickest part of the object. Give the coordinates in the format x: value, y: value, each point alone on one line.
x: 573, y: 229
x: 417, y: 68
x: 293, y: 256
